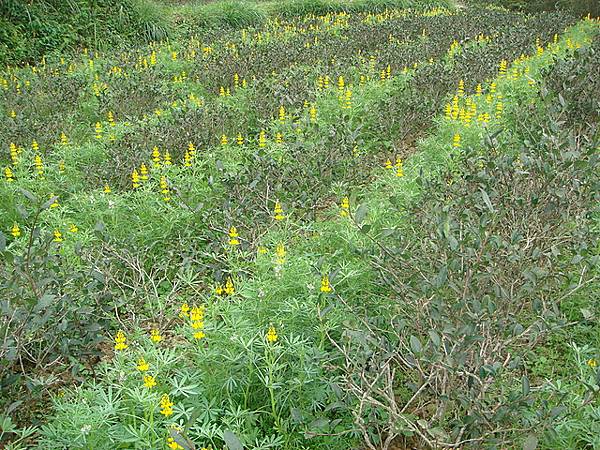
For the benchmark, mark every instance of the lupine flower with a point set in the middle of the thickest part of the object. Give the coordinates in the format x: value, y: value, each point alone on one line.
x: 166, y: 406
x: 8, y: 174
x: 229, y: 288
x: 15, y: 230
x: 143, y: 172
x: 224, y: 140
x: 461, y: 88
x: 39, y: 165
x: 592, y: 363
x: 155, y: 336
x: 167, y: 158
x: 73, y: 228
x: 35, y: 146
x: 279, y: 138
x: 389, y: 165
x: 262, y: 138
x: 184, y: 310
x: 142, y: 365
x: 120, y: 341
x: 325, y: 286
x: 345, y: 207
x: 14, y: 154
x: 107, y: 189
x: 135, y: 179
x: 156, y: 156
x: 240, y: 139
x: 272, y: 335
x: 312, y: 112
x: 98, y: 129
x: 233, y: 236
x: 399, y: 168
x: 55, y: 203
x: 456, y: 141
x: 281, y: 114
x: 173, y: 445
x: 164, y: 189
x: 63, y: 139
x: 278, y: 210
x: 61, y: 166
x: 280, y: 252
x: 149, y: 382
x: 262, y: 250
x: 57, y: 236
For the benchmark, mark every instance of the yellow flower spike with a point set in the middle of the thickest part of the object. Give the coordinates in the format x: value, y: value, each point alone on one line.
x: 12, y: 114
x: 110, y: 118
x: 229, y: 287
x: 262, y: 250
x: 345, y: 207
x: 313, y: 114
x: 280, y: 252
x: 15, y: 230
x: 166, y: 405
x: 167, y: 158
x: 272, y: 335
x: 233, y: 236
x: 592, y: 363
x: 184, y: 310
x: 262, y: 138
x: 478, y: 90
x: 35, y: 146
x: 135, y: 179
x: 199, y: 335
x: 341, y: 83
x: 278, y: 211
x: 8, y: 174
x: 39, y: 165
x: 279, y: 138
x: 456, y: 141
x: 461, y: 88
x: 98, y: 129
x: 282, y: 114
x: 325, y: 286
x: 149, y: 381
x: 191, y: 149
x: 155, y: 336
x: 142, y: 365
x: 493, y: 88
x: 61, y: 166
x: 55, y: 203
x: 120, y: 341
x: 156, y: 156
x: 106, y: 189
x: 173, y: 445
x: 347, y: 99
x: 399, y: 167
x: 499, y: 110
x: 73, y: 228
x: 224, y: 140
x: 219, y: 289
x: 221, y: 91
x: 14, y: 154
x: 164, y: 189
x: 64, y: 140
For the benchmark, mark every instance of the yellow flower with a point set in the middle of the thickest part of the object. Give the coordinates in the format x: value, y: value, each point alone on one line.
x: 388, y: 164
x: 166, y: 406
x: 199, y: 334
x: 184, y: 310
x: 55, y: 203
x: 271, y: 334
x: 399, y: 168
x: 262, y: 138
x: 107, y: 189
x: 592, y: 363
x: 172, y: 444
x: 35, y: 146
x: 135, y: 179
x: 142, y: 365
x: 278, y: 210
x: 98, y: 129
x: 282, y: 114
x: 156, y: 156
x: 73, y: 228
x: 61, y: 166
x: 233, y: 236
x: 224, y: 140
x: 167, y: 157
x: 164, y: 189
x: 155, y: 336
x: 325, y: 286
x: 149, y: 381
x: 229, y: 288
x: 280, y: 252
x: 8, y: 173
x: 262, y: 250
x: 240, y: 139
x: 345, y: 206
x: 279, y: 138
x: 15, y: 230
x: 456, y: 141
x: 197, y: 313
x: 57, y: 236
x: 120, y: 341
x: 143, y: 172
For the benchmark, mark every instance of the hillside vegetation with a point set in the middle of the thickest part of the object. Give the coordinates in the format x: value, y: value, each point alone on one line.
x: 317, y: 226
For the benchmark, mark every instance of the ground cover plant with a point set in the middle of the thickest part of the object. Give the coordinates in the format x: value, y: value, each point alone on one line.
x: 368, y: 226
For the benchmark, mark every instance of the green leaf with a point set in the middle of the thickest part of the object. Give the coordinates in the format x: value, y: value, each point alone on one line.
x: 486, y: 200
x: 361, y: 213
x: 231, y: 441
x: 415, y: 344
x: 530, y: 443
